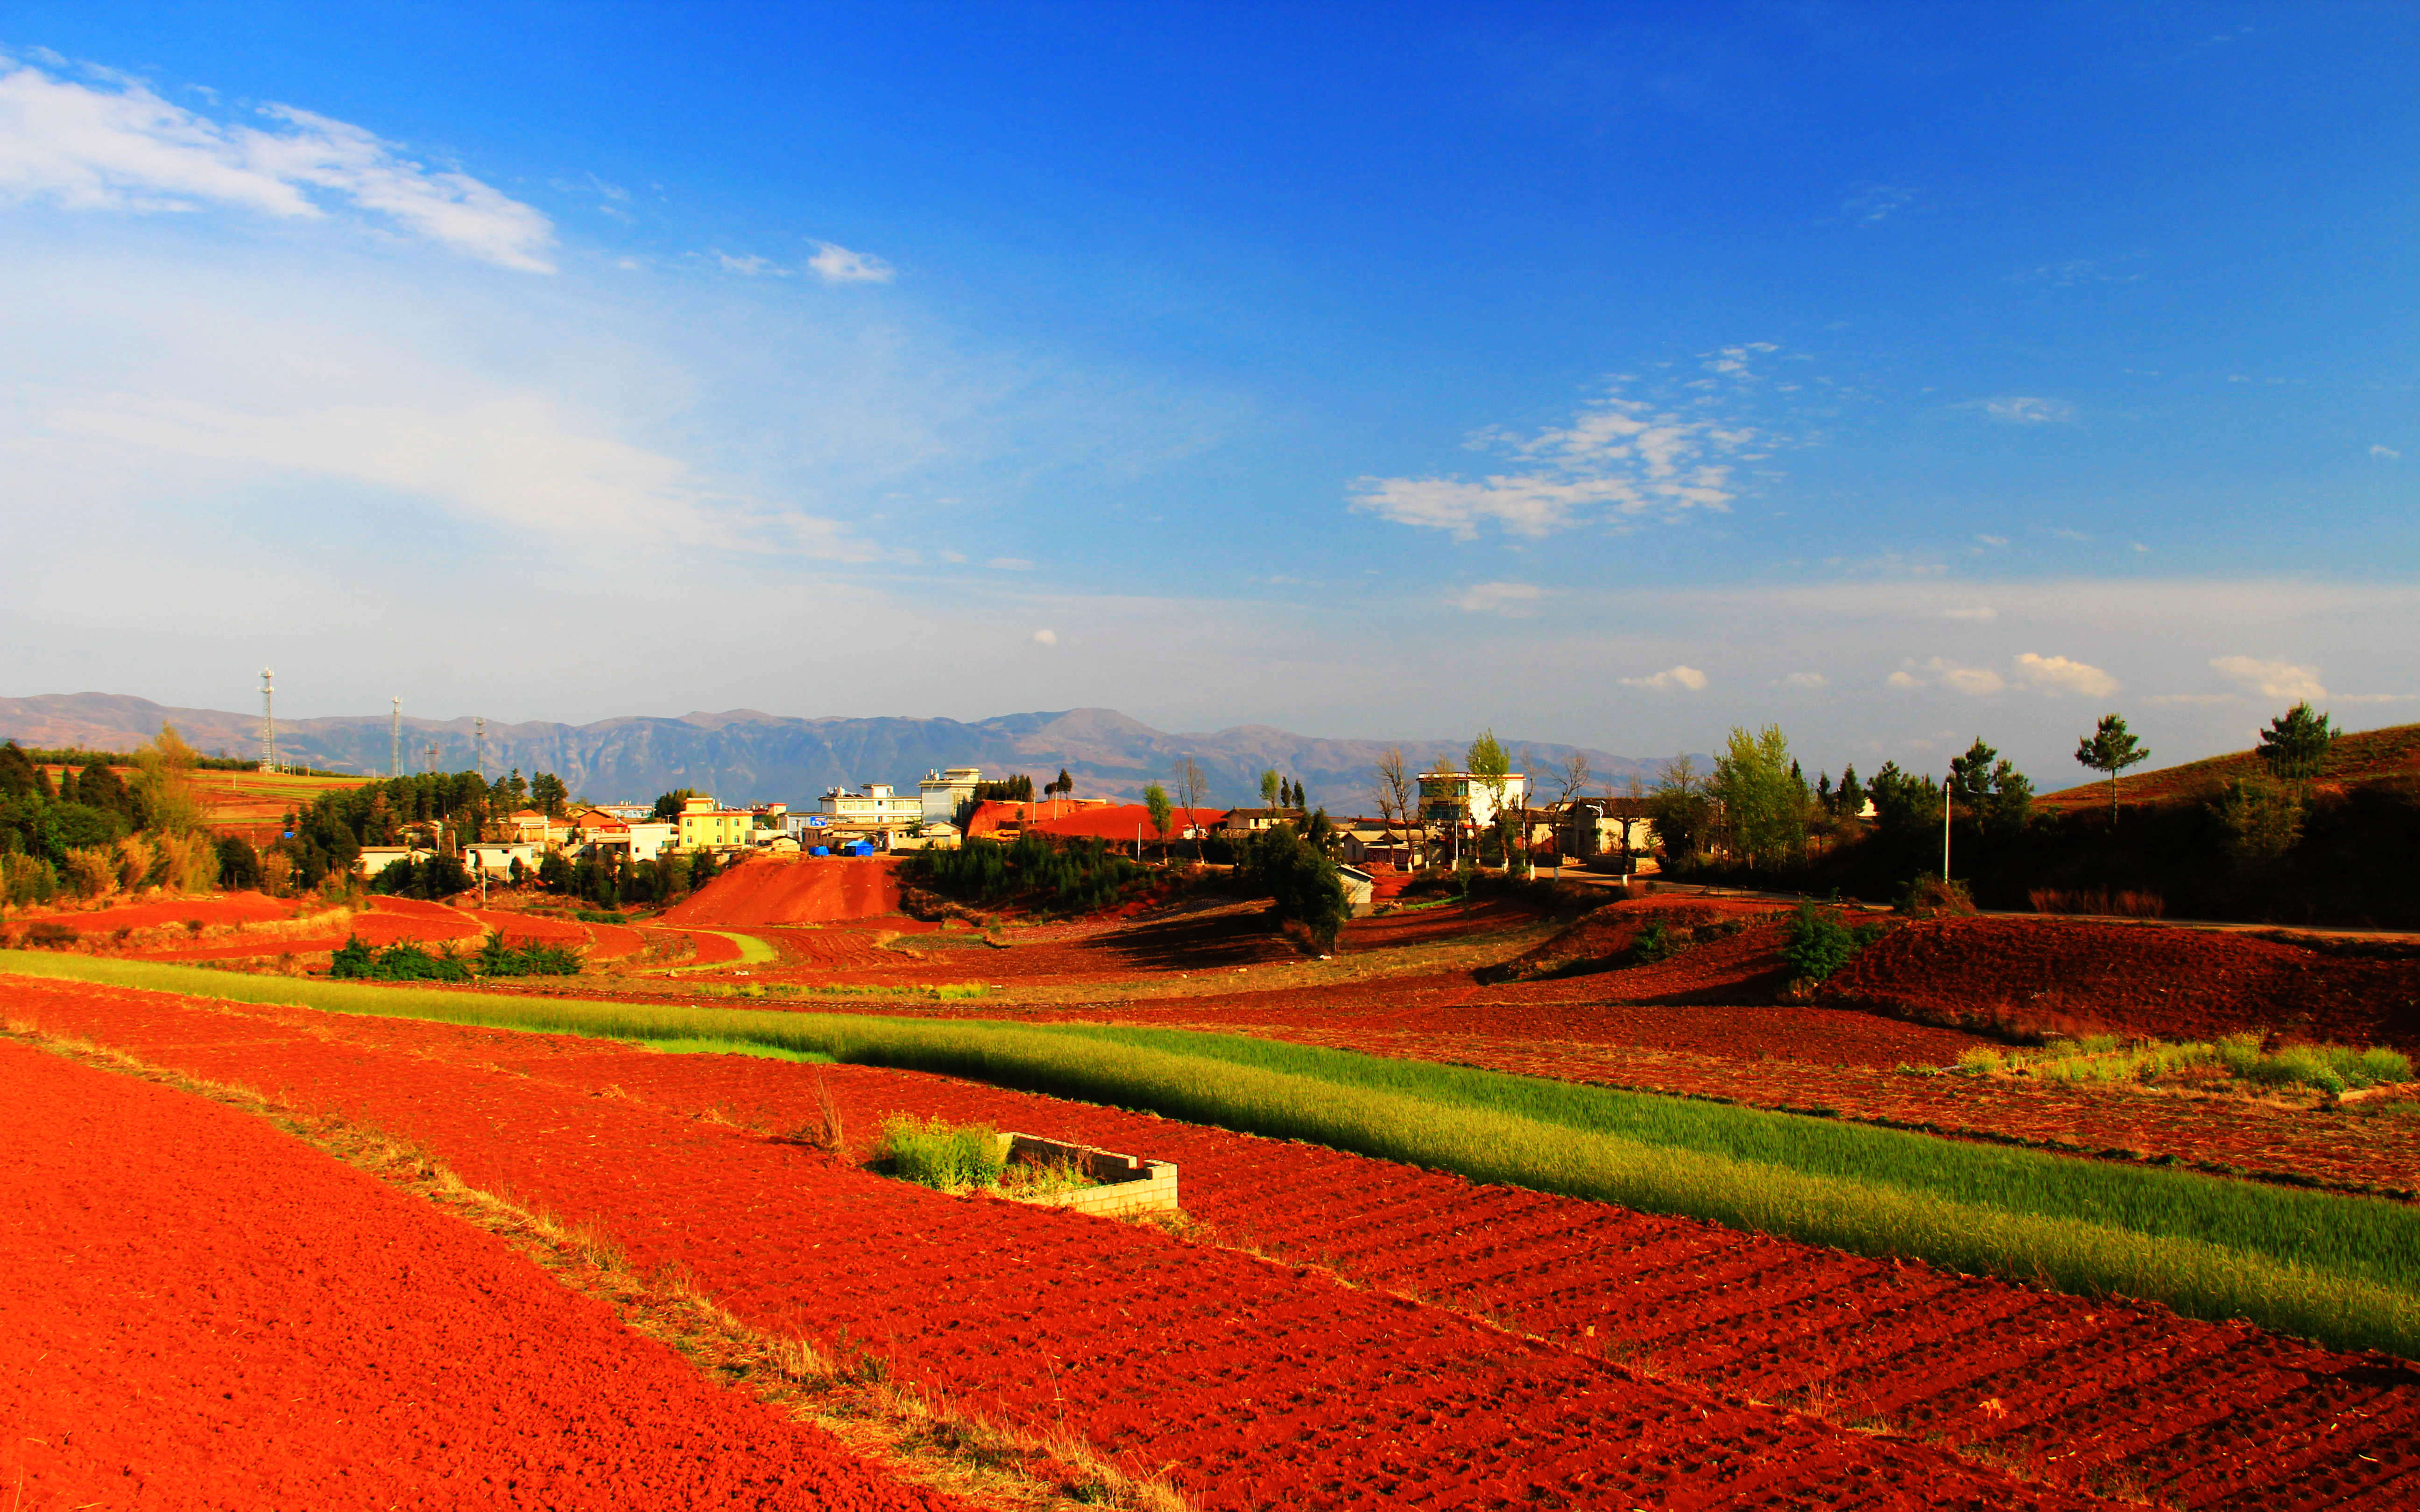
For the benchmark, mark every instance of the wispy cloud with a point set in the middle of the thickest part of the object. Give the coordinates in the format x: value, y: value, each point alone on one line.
x: 1619, y: 459
x: 1046, y: 637
x: 2388, y: 452
x: 1669, y: 679
x: 111, y: 144
x: 2058, y: 676
x: 2271, y: 679
x: 2024, y: 410
x: 1512, y: 600
x: 835, y: 264
x: 1939, y: 672
x: 1809, y: 679
x: 1875, y: 203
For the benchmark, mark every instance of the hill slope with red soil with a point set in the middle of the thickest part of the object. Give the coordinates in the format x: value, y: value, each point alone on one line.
x: 806, y: 889
x: 2071, y: 976
x: 2364, y: 756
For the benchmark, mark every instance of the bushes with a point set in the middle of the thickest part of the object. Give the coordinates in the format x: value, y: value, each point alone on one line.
x: 1816, y: 944
x: 932, y: 1154
x: 50, y: 934
x: 407, y: 961
x: 26, y: 879
x: 1301, y: 881
x: 2100, y: 1060
x: 1079, y: 877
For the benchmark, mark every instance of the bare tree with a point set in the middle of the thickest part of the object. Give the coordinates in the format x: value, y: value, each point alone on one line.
x: 1193, y: 788
x: 1573, y: 775
x: 1397, y: 794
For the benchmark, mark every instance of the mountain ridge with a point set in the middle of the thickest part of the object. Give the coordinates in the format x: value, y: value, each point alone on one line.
x: 750, y: 756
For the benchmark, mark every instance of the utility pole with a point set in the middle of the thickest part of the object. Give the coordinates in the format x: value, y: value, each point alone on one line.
x: 267, y: 723
x: 395, y: 762
x: 1945, y: 834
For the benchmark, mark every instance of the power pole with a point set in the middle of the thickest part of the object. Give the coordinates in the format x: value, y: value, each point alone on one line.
x: 267, y: 723
x: 1945, y: 833
x: 395, y: 762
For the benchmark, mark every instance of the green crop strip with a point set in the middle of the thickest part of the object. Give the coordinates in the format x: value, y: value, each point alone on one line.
x: 2340, y: 1269
x: 751, y: 951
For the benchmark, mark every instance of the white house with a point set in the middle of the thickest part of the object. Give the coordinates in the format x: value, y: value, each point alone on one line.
x: 872, y: 806
x: 1448, y: 798
x: 940, y: 793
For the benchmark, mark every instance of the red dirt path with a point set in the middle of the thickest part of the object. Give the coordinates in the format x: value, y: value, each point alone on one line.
x: 203, y: 1313
x: 805, y: 889
x: 1264, y: 1384
x: 2134, y: 981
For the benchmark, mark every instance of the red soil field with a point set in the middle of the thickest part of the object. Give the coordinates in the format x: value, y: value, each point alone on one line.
x: 218, y: 908
x: 521, y: 929
x: 2135, y: 981
x: 309, y: 1338
x: 1262, y: 1384
x: 711, y: 950
x: 611, y: 942
x: 807, y: 889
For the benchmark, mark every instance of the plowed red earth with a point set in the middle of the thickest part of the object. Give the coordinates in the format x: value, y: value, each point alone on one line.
x: 1273, y: 1386
x: 708, y: 948
x: 2134, y: 981
x: 202, y: 1313
x: 805, y: 889
x: 1264, y: 1384
x: 611, y: 942
x: 518, y: 929
x: 224, y: 908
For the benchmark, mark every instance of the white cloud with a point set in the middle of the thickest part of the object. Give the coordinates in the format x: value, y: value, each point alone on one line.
x: 836, y: 264
x: 1046, y: 638
x: 2389, y: 452
x: 1619, y: 459
x: 2271, y: 679
x: 1512, y: 600
x: 1978, y: 612
x: 2058, y: 676
x: 1010, y: 564
x: 1939, y: 672
x: 2025, y: 410
x: 114, y: 145
x: 750, y: 266
x: 518, y: 461
x: 1992, y: 540
x: 1669, y: 678
x: 1807, y: 679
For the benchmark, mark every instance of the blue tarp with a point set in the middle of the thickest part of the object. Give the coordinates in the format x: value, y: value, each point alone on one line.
x: 819, y: 849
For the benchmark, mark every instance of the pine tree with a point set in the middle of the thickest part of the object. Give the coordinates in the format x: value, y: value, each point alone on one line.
x: 2110, y: 749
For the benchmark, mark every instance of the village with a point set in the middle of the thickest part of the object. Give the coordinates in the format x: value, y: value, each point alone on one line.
x: 1441, y: 827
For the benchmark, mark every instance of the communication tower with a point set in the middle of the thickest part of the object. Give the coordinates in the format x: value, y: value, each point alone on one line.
x: 479, y: 730
x: 395, y: 762
x: 267, y: 724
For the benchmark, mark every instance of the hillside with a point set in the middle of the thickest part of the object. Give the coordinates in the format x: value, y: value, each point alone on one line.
x: 2367, y: 756
x: 747, y: 756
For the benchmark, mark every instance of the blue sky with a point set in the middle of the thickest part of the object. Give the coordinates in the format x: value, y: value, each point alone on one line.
x: 1610, y: 374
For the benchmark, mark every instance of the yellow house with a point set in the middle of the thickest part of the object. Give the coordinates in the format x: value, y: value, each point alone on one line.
x: 705, y: 826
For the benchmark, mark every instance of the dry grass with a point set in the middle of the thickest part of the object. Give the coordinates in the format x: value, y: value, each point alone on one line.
x: 923, y: 1439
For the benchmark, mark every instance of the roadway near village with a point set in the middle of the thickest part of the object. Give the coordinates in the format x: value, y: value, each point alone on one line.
x: 1524, y: 1197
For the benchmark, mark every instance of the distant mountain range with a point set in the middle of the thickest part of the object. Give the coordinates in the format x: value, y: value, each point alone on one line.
x: 745, y: 756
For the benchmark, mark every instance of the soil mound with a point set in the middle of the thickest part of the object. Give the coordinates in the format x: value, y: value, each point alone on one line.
x: 805, y: 889
x: 2073, y: 977
x: 1602, y: 940
x: 222, y: 908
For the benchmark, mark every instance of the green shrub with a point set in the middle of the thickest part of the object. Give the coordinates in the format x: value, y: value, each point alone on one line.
x: 930, y: 1152
x: 497, y: 959
x: 1817, y: 944
x: 50, y: 934
x: 1654, y: 943
x: 404, y: 961
x: 598, y: 915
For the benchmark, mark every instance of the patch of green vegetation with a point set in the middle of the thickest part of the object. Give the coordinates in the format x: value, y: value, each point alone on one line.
x: 354, y: 961
x: 946, y: 1158
x: 752, y: 951
x: 1816, y: 944
x: 600, y: 915
x: 2345, y: 1270
x: 2103, y: 1059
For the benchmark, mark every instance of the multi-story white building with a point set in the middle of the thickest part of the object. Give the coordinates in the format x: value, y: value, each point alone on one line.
x: 872, y: 806
x: 1459, y: 798
x: 940, y: 793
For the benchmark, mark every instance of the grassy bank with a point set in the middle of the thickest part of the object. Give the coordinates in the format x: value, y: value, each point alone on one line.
x: 2344, y: 1270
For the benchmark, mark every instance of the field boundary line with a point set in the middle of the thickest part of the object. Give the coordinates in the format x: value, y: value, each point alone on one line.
x: 922, y: 1438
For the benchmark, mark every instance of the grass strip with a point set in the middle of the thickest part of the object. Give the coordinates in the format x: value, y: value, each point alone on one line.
x: 2343, y: 1270
x: 752, y: 951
